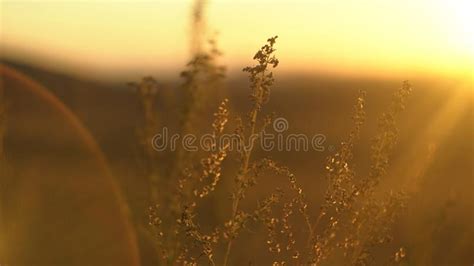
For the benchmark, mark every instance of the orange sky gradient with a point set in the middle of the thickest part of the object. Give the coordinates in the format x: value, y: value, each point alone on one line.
x: 122, y: 39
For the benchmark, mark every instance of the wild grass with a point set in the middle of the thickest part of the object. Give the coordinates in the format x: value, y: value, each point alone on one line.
x: 354, y: 219
x: 352, y: 225
x: 147, y: 89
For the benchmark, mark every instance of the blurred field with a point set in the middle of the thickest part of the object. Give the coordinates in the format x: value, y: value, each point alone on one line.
x: 57, y: 209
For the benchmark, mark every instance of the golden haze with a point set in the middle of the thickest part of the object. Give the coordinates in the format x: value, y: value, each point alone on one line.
x: 375, y: 38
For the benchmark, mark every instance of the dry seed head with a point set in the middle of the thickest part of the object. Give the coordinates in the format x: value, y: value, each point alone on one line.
x: 260, y: 78
x: 400, y: 255
x: 221, y: 118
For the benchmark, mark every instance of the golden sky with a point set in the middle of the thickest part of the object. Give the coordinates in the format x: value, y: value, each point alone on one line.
x: 357, y: 37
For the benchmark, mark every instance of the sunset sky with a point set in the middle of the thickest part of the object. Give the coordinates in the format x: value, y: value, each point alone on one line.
x: 363, y: 37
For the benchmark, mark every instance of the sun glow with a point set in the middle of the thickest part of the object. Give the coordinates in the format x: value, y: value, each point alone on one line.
x: 367, y: 37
